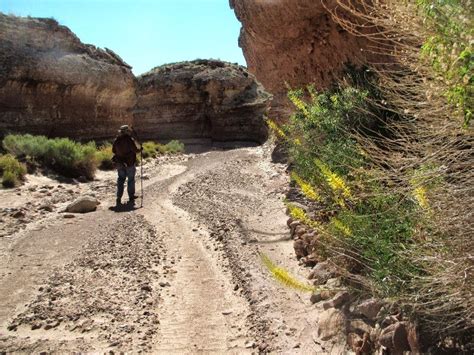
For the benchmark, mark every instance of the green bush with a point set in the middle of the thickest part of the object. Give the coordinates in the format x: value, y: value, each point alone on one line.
x: 153, y: 149
x: 11, y: 170
x: 150, y: 149
x: 174, y: 147
x: 371, y: 223
x: 104, y: 157
x: 63, y: 155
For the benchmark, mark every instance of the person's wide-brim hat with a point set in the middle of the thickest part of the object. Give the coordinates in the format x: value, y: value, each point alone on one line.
x: 124, y: 129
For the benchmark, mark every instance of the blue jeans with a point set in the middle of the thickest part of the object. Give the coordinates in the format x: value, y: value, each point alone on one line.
x: 123, y: 174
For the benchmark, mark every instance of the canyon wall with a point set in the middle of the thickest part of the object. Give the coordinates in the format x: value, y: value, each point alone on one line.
x: 52, y: 84
x: 295, y: 42
x: 201, y: 99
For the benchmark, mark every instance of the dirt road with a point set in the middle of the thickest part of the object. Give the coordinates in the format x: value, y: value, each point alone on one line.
x: 180, y: 275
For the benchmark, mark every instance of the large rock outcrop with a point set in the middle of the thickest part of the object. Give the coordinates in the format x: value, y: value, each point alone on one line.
x: 201, y: 99
x: 295, y: 42
x: 53, y: 84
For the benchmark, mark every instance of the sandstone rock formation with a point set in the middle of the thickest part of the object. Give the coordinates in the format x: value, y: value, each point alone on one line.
x: 51, y: 83
x: 295, y: 42
x: 201, y: 99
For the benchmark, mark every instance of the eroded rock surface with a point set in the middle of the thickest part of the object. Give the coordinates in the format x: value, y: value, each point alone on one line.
x: 201, y: 99
x: 51, y: 83
x: 295, y: 42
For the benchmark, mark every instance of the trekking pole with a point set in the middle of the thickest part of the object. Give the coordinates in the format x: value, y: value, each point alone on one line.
x: 141, y: 165
x: 141, y: 173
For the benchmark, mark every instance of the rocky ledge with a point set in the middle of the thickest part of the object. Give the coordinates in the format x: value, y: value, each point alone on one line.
x: 201, y: 99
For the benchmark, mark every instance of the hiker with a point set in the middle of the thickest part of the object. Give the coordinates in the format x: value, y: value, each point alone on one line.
x: 125, y: 150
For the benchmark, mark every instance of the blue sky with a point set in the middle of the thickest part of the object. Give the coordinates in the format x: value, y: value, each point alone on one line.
x: 145, y: 33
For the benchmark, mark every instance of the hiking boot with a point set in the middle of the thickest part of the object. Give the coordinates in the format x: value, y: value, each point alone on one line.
x: 118, y: 202
x: 134, y: 197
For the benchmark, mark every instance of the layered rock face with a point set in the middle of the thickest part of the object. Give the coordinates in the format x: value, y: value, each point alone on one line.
x: 52, y: 84
x: 201, y: 99
x: 295, y: 42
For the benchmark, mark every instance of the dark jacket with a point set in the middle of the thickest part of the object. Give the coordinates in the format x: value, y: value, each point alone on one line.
x: 125, y: 150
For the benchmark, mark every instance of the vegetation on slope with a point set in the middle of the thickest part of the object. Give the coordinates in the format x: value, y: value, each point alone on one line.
x: 64, y: 156
x: 387, y: 157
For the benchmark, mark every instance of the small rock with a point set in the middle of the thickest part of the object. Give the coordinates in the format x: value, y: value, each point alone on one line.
x: 146, y: 288
x: 332, y: 323
x: 46, y: 207
x: 322, y: 272
x: 35, y: 326
x: 68, y: 215
x: 395, y: 338
x: 164, y: 284
x: 19, y: 214
x: 316, y: 297
x: 83, y: 205
x: 300, y: 230
x: 369, y: 308
x: 338, y: 300
x: 293, y: 226
x: 414, y: 339
x: 360, y: 327
x: 300, y: 249
x: 226, y: 313
x: 334, y: 283
x: 249, y: 344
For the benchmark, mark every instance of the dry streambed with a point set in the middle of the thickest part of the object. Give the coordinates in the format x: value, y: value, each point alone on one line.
x: 181, y: 275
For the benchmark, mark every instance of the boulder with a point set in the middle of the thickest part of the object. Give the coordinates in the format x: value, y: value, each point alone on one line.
x: 83, y: 205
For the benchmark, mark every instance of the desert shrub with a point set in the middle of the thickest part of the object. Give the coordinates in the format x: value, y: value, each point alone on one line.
x: 63, y: 155
x: 174, y: 147
x: 104, y: 157
x: 397, y: 192
x: 370, y: 222
x: 12, y: 170
x: 152, y: 149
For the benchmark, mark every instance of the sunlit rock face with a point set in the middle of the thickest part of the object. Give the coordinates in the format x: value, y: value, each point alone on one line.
x: 295, y: 42
x: 52, y: 84
x: 201, y: 99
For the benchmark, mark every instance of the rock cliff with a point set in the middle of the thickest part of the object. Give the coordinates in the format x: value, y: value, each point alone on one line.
x: 295, y: 42
x: 51, y: 83
x: 201, y: 99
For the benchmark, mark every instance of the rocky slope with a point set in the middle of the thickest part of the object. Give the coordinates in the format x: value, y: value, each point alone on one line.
x: 51, y: 83
x: 201, y: 99
x: 295, y: 42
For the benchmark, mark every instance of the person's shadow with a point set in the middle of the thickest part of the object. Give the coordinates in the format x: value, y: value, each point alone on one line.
x: 128, y: 207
